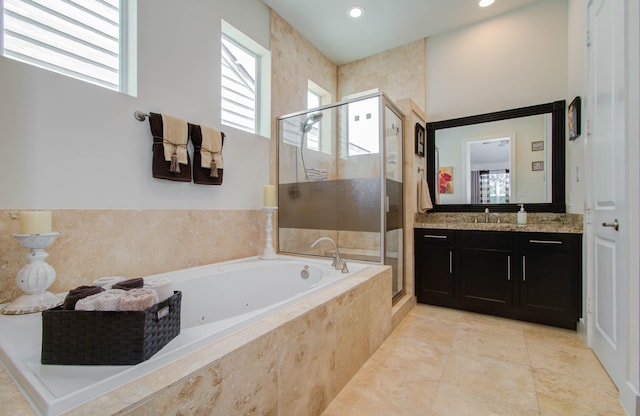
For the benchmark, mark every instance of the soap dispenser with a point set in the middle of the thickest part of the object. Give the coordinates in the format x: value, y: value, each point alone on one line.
x: 522, y: 215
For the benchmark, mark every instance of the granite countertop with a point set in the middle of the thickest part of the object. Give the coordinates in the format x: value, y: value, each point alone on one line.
x: 536, y: 222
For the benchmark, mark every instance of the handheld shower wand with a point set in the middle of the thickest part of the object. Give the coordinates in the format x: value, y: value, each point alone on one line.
x: 308, y: 122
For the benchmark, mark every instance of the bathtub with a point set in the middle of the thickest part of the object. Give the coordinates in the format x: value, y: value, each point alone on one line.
x: 217, y: 300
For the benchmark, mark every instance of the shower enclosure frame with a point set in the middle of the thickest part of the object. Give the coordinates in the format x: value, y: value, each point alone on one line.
x: 383, y: 102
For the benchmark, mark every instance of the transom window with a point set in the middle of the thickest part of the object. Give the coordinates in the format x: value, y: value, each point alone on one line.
x: 84, y: 39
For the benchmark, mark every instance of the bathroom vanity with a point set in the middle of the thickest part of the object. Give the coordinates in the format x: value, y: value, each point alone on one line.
x: 515, y: 272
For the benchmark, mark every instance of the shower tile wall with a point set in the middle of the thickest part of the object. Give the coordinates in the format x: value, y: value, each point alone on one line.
x: 132, y: 243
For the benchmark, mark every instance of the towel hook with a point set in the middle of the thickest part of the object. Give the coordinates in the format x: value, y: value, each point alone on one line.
x: 139, y: 115
x: 420, y: 169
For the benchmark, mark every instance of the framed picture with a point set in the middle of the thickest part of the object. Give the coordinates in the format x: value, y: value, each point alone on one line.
x: 574, y: 118
x: 539, y: 165
x: 420, y: 140
x: 537, y: 146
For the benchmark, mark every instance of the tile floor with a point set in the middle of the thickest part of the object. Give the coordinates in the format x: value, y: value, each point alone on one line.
x: 444, y: 362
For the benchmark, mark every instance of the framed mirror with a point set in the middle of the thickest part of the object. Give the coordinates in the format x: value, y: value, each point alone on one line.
x: 499, y: 160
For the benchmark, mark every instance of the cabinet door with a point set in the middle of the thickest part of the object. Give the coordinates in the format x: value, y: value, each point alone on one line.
x: 485, y: 280
x: 550, y: 277
x: 434, y: 279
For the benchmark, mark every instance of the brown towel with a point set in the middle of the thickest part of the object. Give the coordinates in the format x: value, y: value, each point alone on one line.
x: 129, y: 284
x: 202, y: 176
x: 78, y: 293
x: 161, y: 167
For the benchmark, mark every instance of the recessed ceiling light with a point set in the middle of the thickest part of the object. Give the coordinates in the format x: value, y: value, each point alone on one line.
x: 356, y: 11
x: 485, y: 3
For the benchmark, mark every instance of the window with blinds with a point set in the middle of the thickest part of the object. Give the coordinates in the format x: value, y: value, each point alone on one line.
x: 78, y: 38
x: 239, y: 86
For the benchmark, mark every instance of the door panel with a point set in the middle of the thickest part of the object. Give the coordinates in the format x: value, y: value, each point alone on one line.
x: 606, y: 55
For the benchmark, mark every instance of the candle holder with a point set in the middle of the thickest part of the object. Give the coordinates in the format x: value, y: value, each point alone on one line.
x: 35, y: 277
x: 269, y: 253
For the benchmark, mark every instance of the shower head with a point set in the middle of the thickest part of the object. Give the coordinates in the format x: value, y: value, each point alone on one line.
x: 308, y: 122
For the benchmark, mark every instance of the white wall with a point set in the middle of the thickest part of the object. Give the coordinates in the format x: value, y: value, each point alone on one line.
x: 68, y: 144
x: 514, y: 60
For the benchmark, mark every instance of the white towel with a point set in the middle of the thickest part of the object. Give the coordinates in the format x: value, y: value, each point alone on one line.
x: 163, y: 287
x: 95, y: 303
x: 108, y: 281
x: 211, y: 148
x: 175, y: 135
x: 424, y: 197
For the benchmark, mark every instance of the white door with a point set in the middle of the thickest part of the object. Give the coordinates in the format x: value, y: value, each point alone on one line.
x: 606, y: 106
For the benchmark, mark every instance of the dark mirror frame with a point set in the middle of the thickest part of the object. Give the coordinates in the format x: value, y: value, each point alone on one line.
x: 557, y: 204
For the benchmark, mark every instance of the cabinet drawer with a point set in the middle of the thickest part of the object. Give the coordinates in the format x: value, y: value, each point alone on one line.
x: 431, y: 237
x: 548, y: 242
x: 495, y: 240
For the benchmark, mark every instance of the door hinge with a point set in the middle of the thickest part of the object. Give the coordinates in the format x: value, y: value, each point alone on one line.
x: 589, y: 310
x: 588, y: 126
x: 588, y: 38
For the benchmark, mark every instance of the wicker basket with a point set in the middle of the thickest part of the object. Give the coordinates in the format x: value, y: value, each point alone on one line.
x: 108, y: 338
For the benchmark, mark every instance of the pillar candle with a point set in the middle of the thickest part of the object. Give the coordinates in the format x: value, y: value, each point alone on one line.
x: 269, y: 197
x: 35, y: 222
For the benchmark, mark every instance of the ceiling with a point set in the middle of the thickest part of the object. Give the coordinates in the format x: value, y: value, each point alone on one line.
x: 385, y: 24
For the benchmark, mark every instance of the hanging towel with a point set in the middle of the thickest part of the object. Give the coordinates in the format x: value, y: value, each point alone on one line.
x: 424, y: 197
x: 170, y: 155
x: 207, y: 144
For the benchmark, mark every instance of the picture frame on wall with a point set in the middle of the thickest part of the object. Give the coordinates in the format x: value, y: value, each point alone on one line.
x: 538, y: 165
x: 573, y: 118
x: 420, y: 139
x: 537, y: 146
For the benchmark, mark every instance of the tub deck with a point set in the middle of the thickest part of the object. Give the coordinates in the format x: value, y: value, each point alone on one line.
x: 330, y: 334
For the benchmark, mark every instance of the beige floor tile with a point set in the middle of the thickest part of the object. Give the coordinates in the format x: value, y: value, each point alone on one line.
x: 565, y: 395
x: 501, y: 342
x: 444, y: 362
x: 456, y: 401
x: 492, y: 378
x: 573, y: 362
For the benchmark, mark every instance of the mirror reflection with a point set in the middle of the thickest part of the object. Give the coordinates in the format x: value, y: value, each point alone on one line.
x: 493, y: 163
x: 500, y: 159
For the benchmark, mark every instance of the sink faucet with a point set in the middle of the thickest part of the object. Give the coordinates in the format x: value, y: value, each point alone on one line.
x: 486, y: 215
x: 338, y: 263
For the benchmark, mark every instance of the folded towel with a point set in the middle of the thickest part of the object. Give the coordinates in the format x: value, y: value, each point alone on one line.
x: 207, y: 143
x: 136, y: 283
x: 424, y: 196
x: 78, y: 293
x: 138, y: 299
x: 163, y: 287
x: 108, y: 281
x: 108, y: 300
x: 173, y: 136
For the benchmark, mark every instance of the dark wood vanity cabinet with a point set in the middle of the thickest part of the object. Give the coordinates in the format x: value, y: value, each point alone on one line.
x: 550, y: 275
x: 434, y: 269
x: 529, y: 276
x: 484, y: 262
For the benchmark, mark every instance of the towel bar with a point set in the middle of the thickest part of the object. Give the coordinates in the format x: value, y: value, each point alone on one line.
x: 139, y: 115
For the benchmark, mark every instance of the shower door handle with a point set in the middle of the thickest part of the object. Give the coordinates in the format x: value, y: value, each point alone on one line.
x: 386, y: 203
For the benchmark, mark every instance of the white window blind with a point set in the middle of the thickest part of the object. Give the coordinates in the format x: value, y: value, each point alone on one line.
x: 239, y: 96
x: 78, y: 38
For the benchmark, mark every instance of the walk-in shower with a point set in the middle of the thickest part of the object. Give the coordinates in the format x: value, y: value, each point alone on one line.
x: 340, y: 176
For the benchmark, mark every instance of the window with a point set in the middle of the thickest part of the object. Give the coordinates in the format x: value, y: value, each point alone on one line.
x: 244, y: 92
x: 85, y: 39
x: 313, y: 136
x: 319, y: 137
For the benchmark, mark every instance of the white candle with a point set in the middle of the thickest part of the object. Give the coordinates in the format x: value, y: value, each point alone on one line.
x: 269, y: 196
x: 35, y: 222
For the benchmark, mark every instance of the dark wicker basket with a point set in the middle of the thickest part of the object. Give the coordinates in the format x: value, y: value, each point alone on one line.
x: 108, y: 338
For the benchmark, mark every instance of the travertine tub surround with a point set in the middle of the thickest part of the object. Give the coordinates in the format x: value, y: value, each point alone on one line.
x: 131, y: 243
x: 292, y: 363
x: 536, y: 222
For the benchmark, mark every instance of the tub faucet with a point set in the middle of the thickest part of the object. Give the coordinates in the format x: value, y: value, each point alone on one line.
x: 338, y: 263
